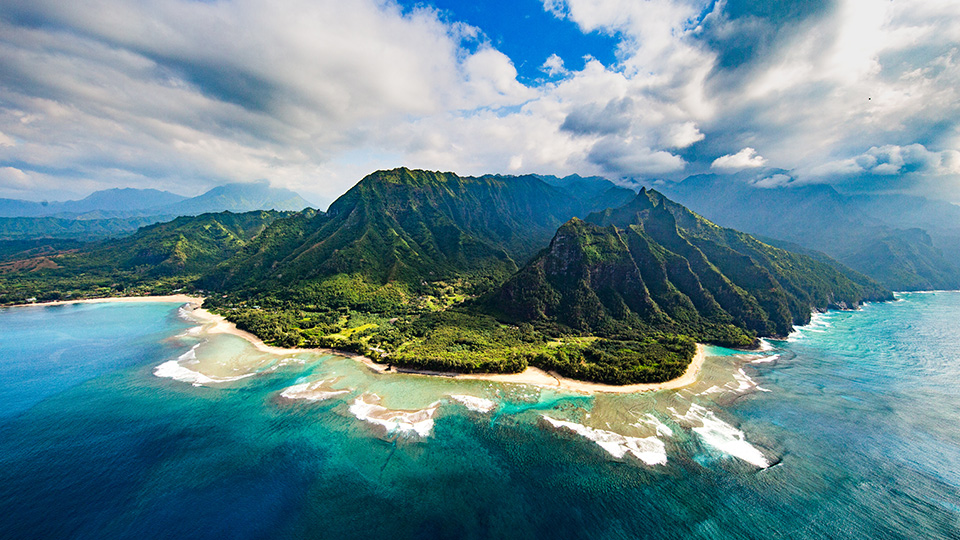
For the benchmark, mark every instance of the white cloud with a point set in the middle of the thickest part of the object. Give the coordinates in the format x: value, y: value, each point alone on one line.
x: 744, y: 159
x: 889, y: 160
x: 773, y: 181
x: 312, y: 94
x: 553, y: 66
x: 14, y: 179
x: 683, y: 135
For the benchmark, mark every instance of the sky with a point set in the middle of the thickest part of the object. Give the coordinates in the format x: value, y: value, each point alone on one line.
x: 312, y: 95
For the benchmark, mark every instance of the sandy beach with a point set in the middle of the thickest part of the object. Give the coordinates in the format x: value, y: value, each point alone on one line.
x: 531, y: 375
x: 217, y: 324
x: 538, y: 377
x: 181, y: 298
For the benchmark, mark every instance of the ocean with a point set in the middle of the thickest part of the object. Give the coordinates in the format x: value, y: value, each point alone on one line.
x: 128, y: 420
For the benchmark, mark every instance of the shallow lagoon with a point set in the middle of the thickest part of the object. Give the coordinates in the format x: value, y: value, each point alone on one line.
x: 848, y: 429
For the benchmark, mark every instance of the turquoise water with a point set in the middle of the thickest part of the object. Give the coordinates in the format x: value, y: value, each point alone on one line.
x: 851, y: 429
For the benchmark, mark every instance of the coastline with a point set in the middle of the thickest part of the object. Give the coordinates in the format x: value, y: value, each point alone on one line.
x: 217, y: 324
x: 530, y: 376
x: 172, y: 298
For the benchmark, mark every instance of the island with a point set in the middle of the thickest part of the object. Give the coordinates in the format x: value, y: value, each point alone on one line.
x: 434, y: 272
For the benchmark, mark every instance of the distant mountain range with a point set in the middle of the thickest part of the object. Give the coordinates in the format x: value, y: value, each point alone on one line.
x: 118, y: 212
x: 904, y: 242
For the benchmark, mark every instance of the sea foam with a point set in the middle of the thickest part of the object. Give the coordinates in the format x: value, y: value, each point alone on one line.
x: 174, y: 369
x: 741, y: 384
x: 722, y: 436
x: 367, y: 407
x: 312, y: 391
x: 649, y: 450
x: 766, y: 359
x: 651, y: 420
x: 475, y: 403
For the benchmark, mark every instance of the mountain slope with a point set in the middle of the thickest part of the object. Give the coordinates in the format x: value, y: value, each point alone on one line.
x: 32, y: 228
x: 876, y: 235
x: 158, y: 256
x: 406, y: 227
x: 652, y: 265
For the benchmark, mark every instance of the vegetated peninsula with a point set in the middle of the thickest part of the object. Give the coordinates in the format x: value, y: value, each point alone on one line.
x: 433, y: 271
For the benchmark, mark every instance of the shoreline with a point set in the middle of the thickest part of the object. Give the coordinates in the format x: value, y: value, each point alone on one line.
x: 218, y: 324
x: 530, y: 376
x: 171, y: 298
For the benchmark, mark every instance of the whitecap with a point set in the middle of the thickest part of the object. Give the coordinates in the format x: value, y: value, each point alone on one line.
x: 186, y: 314
x: 367, y: 407
x: 312, y: 391
x: 722, y: 436
x: 189, y: 356
x: 766, y: 359
x: 712, y: 390
x: 473, y: 403
x: 744, y: 382
x: 741, y: 383
x: 649, y: 450
x: 174, y: 370
x: 651, y: 420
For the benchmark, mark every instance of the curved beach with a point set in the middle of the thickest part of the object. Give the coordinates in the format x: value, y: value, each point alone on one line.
x: 217, y: 324
x: 531, y: 375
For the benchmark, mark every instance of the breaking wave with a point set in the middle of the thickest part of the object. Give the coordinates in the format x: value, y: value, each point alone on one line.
x: 649, y: 450
x: 722, y: 436
x: 475, y: 404
x: 367, y: 407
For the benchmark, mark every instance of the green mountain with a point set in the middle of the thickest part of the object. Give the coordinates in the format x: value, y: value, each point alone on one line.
x: 156, y: 257
x: 114, y: 213
x: 654, y: 266
x: 32, y: 228
x: 402, y: 228
x: 904, y: 242
x: 430, y: 270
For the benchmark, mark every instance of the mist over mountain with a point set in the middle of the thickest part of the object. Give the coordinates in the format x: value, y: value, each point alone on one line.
x: 118, y: 212
x: 905, y: 242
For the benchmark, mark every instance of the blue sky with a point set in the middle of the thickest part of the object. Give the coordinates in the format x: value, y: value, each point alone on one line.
x: 314, y: 94
x: 529, y: 34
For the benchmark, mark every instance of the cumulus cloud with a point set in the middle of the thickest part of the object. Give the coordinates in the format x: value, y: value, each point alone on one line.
x: 14, y: 179
x: 553, y: 66
x: 313, y: 94
x: 773, y: 181
x: 889, y: 160
x: 189, y: 94
x: 744, y: 159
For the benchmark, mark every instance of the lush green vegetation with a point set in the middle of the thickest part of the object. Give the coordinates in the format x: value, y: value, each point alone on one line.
x: 420, y: 270
x: 656, y: 358
x: 158, y: 259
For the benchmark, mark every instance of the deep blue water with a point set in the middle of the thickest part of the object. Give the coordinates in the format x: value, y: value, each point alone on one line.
x: 861, y: 424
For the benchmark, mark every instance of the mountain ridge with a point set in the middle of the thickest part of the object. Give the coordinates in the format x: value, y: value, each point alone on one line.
x: 905, y: 242
x: 431, y: 270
